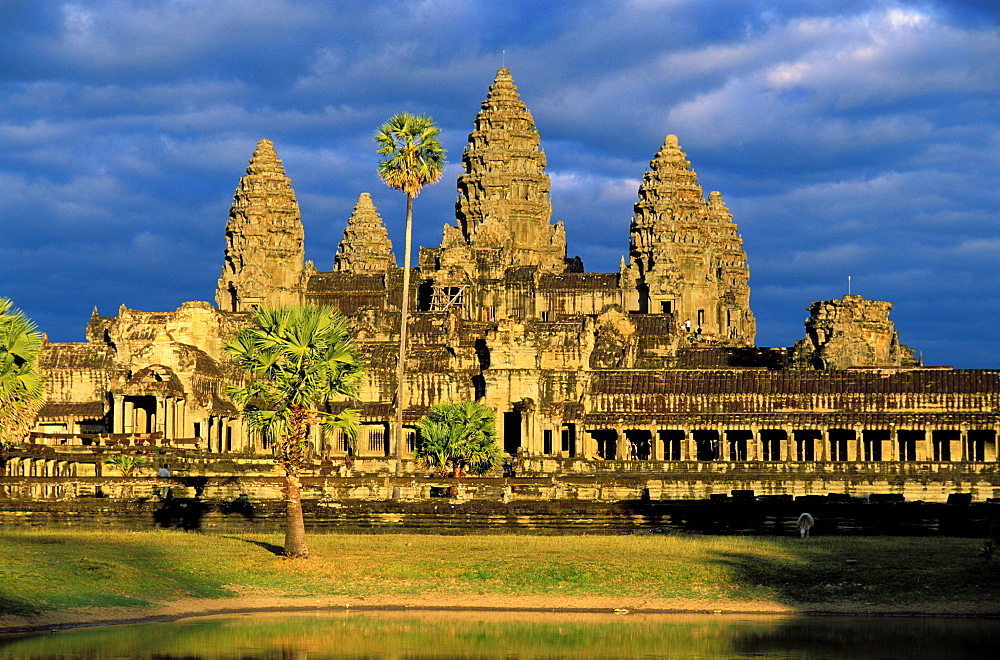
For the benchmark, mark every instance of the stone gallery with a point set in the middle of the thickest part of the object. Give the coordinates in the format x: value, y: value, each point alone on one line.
x: 653, y: 368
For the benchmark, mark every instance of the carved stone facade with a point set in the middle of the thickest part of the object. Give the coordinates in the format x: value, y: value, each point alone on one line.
x: 687, y: 257
x: 653, y: 367
x: 265, y: 243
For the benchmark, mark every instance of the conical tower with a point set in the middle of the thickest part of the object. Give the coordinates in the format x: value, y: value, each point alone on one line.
x: 503, y: 201
x: 264, y: 238
x: 366, y: 247
x: 689, y: 255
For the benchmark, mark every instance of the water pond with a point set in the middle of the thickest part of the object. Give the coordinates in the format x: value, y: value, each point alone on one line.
x: 409, y: 634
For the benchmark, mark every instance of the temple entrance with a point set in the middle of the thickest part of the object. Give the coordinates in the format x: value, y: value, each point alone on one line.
x: 839, y: 443
x: 706, y: 445
x: 907, y: 441
x: 805, y: 444
x: 871, y: 444
x: 770, y: 444
x: 640, y: 445
x: 941, y: 444
x: 607, y: 443
x: 671, y: 441
x: 568, y: 440
x: 738, y: 442
x: 512, y: 431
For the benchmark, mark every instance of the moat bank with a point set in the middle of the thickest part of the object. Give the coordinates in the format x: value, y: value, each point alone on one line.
x: 75, y: 576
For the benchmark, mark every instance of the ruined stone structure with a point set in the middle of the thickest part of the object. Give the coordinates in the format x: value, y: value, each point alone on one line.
x: 651, y: 369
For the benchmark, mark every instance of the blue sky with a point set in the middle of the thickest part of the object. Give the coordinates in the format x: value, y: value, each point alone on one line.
x: 849, y: 138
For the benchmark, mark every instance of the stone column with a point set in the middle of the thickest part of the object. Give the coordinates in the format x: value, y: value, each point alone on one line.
x: 118, y: 414
x: 855, y: 452
x: 925, y: 448
x: 893, y: 454
x: 655, y: 444
x: 690, y: 447
x: 963, y: 443
x: 754, y: 450
x: 824, y: 445
x: 622, y: 444
x: 129, y: 417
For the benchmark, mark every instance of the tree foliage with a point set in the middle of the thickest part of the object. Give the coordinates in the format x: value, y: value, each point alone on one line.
x: 125, y: 463
x: 296, y: 359
x: 459, y: 437
x: 21, y: 388
x: 412, y: 155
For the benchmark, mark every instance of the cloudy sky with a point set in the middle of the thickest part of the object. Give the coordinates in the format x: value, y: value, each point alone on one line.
x: 849, y: 138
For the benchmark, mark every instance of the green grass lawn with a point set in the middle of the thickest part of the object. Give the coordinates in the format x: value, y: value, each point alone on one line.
x: 66, y: 570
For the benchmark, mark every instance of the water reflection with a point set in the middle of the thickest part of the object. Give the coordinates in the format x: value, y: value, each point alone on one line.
x: 373, y: 634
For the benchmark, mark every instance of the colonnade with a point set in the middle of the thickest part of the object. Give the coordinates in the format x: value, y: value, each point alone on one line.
x: 963, y: 442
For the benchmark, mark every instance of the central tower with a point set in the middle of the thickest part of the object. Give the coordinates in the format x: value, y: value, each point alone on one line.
x: 503, y: 204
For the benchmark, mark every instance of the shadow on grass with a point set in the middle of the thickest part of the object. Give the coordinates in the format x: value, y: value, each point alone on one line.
x: 17, y: 607
x: 180, y: 513
x: 270, y: 547
x: 862, y: 574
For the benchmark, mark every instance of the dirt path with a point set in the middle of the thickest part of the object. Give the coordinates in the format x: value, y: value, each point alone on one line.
x: 269, y: 602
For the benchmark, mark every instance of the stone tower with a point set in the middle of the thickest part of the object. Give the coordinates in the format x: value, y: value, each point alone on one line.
x: 264, y: 238
x: 366, y: 247
x: 503, y: 205
x: 851, y: 332
x: 687, y: 251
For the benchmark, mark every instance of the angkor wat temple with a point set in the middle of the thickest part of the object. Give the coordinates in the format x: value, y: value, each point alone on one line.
x: 648, y: 368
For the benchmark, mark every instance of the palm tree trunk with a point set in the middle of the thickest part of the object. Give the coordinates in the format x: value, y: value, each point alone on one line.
x: 403, y: 313
x: 295, y: 524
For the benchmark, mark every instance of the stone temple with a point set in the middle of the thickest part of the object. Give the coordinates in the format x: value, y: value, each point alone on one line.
x: 653, y: 367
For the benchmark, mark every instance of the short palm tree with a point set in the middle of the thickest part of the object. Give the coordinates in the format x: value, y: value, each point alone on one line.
x: 21, y: 387
x: 125, y: 463
x: 295, y: 359
x: 459, y: 438
x: 412, y: 157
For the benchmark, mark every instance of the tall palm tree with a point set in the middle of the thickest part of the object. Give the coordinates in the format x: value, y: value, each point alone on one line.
x: 412, y: 157
x: 21, y: 388
x: 295, y: 358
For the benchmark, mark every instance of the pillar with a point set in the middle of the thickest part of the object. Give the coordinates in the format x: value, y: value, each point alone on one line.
x: 118, y: 414
x: 854, y: 450
x: 129, y: 417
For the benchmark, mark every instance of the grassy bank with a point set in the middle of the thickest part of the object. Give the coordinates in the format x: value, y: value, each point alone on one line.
x: 57, y: 572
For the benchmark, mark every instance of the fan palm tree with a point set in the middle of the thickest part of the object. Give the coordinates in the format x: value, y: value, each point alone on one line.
x: 295, y: 358
x: 412, y: 157
x: 21, y: 388
x: 459, y: 437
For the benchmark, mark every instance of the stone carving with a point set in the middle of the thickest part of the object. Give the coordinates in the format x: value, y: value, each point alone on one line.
x: 851, y: 332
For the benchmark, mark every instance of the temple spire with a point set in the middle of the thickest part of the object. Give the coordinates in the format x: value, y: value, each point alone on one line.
x: 688, y: 252
x: 264, y: 238
x: 504, y: 199
x: 366, y: 247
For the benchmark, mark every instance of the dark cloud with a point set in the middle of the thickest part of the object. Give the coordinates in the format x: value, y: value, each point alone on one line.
x: 849, y: 138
